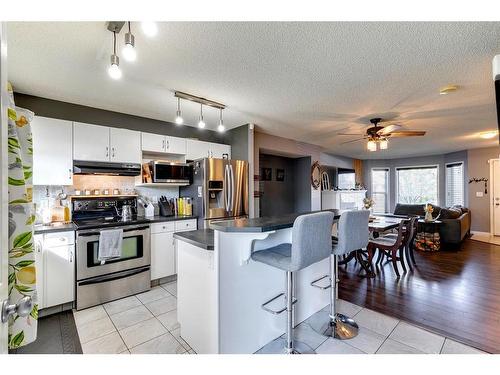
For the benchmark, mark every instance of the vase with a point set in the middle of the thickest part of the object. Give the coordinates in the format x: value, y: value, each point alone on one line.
x: 428, y: 216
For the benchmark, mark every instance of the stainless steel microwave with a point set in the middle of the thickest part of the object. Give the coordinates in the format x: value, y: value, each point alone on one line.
x: 171, y: 172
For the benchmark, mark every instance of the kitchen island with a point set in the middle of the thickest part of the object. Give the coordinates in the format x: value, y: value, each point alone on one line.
x: 221, y: 289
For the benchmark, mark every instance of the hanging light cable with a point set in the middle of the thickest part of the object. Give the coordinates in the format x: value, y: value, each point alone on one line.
x: 129, y: 52
x: 221, y: 128
x: 114, y: 70
x: 178, y: 119
x: 201, y: 123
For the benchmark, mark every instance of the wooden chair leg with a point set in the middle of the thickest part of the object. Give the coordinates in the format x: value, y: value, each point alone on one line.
x: 407, y: 256
x: 380, y: 256
x: 395, y: 261
x: 402, y: 257
x: 412, y: 256
x: 370, y: 249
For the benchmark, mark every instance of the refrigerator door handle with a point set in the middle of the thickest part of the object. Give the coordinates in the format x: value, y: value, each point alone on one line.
x: 226, y: 188
x: 232, y: 186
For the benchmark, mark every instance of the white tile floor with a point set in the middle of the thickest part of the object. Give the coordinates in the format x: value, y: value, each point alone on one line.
x: 147, y: 324
x: 142, y: 324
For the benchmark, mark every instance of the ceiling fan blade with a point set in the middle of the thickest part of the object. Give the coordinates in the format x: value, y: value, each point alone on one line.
x: 354, y: 140
x: 350, y: 134
x: 388, y: 129
x: 407, y: 133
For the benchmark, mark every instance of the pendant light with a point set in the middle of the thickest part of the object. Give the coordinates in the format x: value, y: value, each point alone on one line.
x: 129, y: 52
x: 114, y: 69
x: 221, y: 128
x: 178, y: 119
x: 201, y: 123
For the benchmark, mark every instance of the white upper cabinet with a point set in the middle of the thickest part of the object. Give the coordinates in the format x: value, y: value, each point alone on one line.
x: 125, y: 146
x: 163, y: 144
x: 220, y: 151
x: 175, y: 145
x: 101, y: 143
x: 90, y: 142
x: 197, y: 149
x: 52, y: 151
x: 153, y: 142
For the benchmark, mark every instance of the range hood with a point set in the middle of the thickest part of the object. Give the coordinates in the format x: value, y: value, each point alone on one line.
x: 105, y: 168
x: 496, y: 78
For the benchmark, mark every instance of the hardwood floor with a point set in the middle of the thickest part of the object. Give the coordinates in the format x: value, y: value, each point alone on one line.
x: 455, y: 293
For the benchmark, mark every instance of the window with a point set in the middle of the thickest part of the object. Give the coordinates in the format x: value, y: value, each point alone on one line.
x: 417, y: 185
x: 380, y: 190
x: 346, y: 178
x: 454, y: 184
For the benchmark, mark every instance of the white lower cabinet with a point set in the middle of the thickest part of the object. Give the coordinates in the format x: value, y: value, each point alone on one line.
x: 163, y: 250
x: 55, y: 267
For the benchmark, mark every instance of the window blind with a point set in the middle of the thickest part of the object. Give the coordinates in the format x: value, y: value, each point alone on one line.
x: 454, y: 184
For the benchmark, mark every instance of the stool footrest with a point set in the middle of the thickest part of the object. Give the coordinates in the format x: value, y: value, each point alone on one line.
x: 315, y: 284
x: 275, y: 312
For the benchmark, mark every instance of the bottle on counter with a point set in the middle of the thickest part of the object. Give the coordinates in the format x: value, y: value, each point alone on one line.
x: 189, y: 206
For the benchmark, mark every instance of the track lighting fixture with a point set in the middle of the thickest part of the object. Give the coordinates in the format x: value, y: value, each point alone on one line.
x: 201, y: 123
x: 178, y: 119
x: 114, y: 69
x: 129, y: 52
x: 149, y: 28
x: 221, y: 128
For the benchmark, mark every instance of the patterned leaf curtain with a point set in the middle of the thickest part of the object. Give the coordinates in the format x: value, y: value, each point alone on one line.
x: 22, y: 270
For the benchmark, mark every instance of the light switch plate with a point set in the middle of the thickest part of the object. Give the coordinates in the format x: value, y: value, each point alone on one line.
x: 479, y: 194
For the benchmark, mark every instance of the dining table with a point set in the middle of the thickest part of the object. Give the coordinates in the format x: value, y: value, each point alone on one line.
x: 378, y: 224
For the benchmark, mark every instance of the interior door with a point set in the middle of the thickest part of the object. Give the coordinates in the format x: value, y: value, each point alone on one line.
x: 3, y: 184
x: 495, y: 196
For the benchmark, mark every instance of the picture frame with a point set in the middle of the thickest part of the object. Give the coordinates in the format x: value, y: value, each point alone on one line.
x: 280, y: 174
x: 266, y: 174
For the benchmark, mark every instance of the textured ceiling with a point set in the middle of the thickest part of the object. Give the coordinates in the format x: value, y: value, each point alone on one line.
x: 305, y: 81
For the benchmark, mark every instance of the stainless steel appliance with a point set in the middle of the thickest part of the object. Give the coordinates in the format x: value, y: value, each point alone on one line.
x: 170, y: 172
x: 99, y: 282
x: 106, y: 168
x: 219, y: 190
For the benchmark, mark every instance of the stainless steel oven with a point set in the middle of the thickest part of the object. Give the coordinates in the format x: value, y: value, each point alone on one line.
x: 165, y: 171
x: 130, y: 274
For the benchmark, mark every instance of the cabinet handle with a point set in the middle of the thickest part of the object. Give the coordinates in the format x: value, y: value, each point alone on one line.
x: 71, y: 256
x: 113, y: 152
x: 163, y: 144
x: 107, y: 151
x: 70, y: 173
x: 168, y: 145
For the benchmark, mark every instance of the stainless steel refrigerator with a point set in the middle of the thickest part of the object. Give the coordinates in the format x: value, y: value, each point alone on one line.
x: 219, y: 190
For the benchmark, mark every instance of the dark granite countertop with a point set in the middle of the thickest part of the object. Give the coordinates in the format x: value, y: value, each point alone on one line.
x: 39, y: 229
x: 203, y: 238
x: 54, y: 228
x: 261, y: 224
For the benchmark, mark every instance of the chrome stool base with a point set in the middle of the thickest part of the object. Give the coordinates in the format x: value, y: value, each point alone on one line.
x: 278, y: 346
x: 342, y: 328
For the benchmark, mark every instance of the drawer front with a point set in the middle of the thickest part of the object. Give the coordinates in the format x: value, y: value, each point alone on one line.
x: 185, y: 225
x: 58, y: 239
x: 162, y: 227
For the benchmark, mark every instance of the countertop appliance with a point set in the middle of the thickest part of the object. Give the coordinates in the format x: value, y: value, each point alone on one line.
x: 219, y: 190
x: 106, y: 168
x: 170, y: 172
x: 99, y: 282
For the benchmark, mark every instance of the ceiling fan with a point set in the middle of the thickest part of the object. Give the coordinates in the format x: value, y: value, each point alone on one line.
x: 378, y: 136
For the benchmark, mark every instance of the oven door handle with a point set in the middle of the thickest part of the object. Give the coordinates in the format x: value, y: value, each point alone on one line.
x: 124, y: 231
x: 113, y: 276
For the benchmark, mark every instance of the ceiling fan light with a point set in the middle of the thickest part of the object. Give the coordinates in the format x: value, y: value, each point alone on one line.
x: 371, y: 145
x: 384, y: 143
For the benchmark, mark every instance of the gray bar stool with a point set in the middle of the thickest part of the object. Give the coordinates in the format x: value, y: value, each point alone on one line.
x: 311, y: 243
x: 353, y: 234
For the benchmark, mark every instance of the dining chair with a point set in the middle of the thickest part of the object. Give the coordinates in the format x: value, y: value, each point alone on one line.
x: 391, y: 245
x: 407, y: 250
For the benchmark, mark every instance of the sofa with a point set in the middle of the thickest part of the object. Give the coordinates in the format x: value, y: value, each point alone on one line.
x: 456, y: 220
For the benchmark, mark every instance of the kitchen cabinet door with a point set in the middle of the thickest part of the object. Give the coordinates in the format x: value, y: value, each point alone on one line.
x: 153, y: 142
x: 90, y: 142
x: 59, y: 275
x: 197, y: 149
x: 125, y: 146
x: 162, y: 255
x: 175, y: 145
x: 52, y: 151
x: 40, y: 270
x: 218, y: 150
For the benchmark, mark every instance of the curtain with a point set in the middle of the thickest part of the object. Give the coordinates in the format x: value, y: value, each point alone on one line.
x: 22, y: 270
